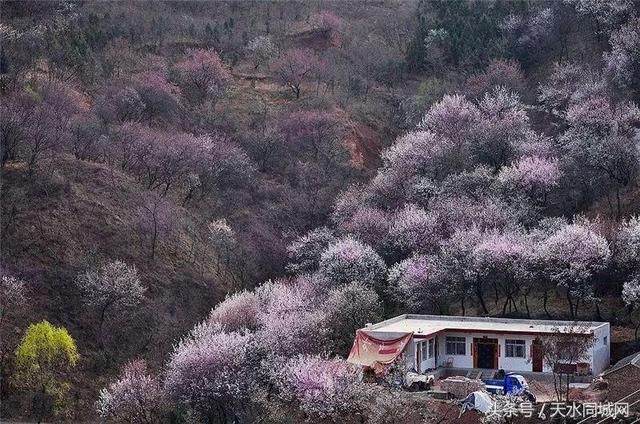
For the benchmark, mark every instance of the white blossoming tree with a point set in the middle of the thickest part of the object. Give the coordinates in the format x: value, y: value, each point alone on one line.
x: 113, y: 286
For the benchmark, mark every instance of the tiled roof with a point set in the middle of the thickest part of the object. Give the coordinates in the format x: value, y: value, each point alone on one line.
x: 631, y: 360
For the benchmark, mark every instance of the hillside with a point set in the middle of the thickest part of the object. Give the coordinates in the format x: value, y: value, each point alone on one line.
x: 206, y: 199
x: 74, y: 214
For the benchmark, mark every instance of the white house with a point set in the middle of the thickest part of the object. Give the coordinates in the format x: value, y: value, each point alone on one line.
x: 431, y: 341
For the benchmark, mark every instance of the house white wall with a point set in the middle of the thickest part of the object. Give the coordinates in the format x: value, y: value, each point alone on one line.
x: 504, y: 362
x: 428, y: 362
x: 601, y: 349
x: 598, y: 355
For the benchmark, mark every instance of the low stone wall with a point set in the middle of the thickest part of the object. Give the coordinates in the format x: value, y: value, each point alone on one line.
x: 460, y: 386
x: 546, y: 377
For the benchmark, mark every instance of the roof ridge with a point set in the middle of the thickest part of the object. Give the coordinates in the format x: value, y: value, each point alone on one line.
x: 498, y: 319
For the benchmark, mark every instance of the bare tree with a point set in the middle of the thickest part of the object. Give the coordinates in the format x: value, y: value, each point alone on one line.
x: 562, y: 350
x: 294, y: 67
x: 155, y: 220
x: 12, y: 298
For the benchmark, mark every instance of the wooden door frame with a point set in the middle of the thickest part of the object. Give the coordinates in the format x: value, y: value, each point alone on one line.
x: 536, y: 342
x: 435, y: 351
x: 481, y: 340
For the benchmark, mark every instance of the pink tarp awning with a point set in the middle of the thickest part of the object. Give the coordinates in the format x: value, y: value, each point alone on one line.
x: 376, y: 353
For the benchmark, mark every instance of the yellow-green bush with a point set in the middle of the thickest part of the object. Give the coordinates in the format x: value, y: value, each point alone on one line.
x: 43, y: 357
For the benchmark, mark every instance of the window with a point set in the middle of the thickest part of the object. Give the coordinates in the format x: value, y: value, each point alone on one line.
x: 431, y: 343
x: 456, y: 345
x: 514, y: 348
x: 604, y: 341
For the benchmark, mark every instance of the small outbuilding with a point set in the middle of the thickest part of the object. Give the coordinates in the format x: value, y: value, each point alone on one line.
x: 433, y: 341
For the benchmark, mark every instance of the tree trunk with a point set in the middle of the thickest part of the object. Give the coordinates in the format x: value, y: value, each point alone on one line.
x: 103, y: 313
x: 610, y: 204
x: 555, y: 384
x: 187, y: 197
x: 618, y: 204
x: 570, y: 302
x: 545, y: 298
x: 481, y: 298
x: 513, y: 302
x: 598, y: 314
x: 154, y: 237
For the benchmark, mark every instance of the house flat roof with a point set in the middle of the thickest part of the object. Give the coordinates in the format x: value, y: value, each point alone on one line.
x: 431, y: 324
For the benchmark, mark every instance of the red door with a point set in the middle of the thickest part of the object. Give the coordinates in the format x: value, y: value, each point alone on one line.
x: 536, y: 356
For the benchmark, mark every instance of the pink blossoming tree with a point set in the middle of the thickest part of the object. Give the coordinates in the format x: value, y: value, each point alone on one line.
x: 349, y: 260
x: 324, y: 388
x: 136, y: 397
x: 211, y: 372
x: 572, y: 256
x: 202, y: 75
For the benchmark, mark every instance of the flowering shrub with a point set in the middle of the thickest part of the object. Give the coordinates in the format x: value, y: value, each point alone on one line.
x: 12, y: 292
x: 324, y: 388
x: 135, y: 397
x: 631, y: 292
